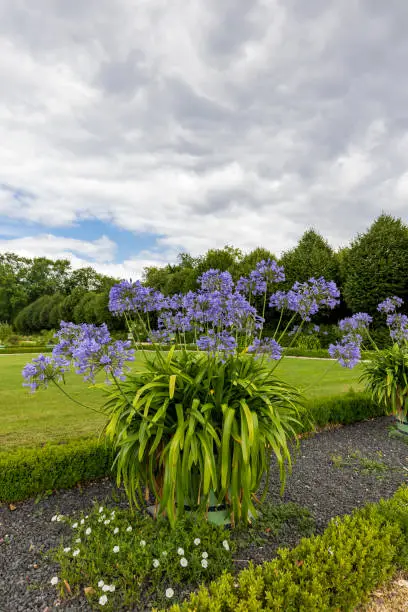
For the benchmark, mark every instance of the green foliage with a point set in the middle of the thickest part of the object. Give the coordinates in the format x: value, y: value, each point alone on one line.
x: 307, y: 342
x: 143, y: 544
x: 188, y: 426
x: 6, y: 330
x: 385, y: 377
x: 375, y: 265
x: 16, y: 349
x: 333, y: 571
x: 341, y: 409
x: 26, y: 472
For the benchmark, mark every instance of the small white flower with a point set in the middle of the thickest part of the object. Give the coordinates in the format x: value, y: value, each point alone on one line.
x: 205, y: 555
x: 116, y: 549
x: 54, y: 518
x: 88, y: 531
x: 106, y: 587
x: 116, y: 530
x: 100, y: 509
x: 54, y: 580
x: 197, y: 541
x: 75, y: 525
x: 106, y: 522
x: 330, y: 551
x: 226, y: 545
x: 204, y: 563
x: 100, y: 584
x: 142, y: 543
x: 180, y: 551
x: 100, y: 519
x: 113, y: 514
x: 87, y: 516
x: 59, y: 518
x: 112, y: 588
x: 129, y: 529
x: 183, y: 562
x: 82, y: 521
x: 164, y: 553
x: 156, y: 563
x: 67, y: 549
x: 103, y: 600
x: 76, y: 552
x: 169, y: 593
x: 78, y: 541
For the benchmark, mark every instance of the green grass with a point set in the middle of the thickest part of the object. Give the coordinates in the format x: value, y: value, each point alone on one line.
x: 33, y: 419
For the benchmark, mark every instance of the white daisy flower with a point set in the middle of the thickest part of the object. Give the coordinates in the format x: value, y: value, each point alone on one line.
x: 88, y: 531
x: 204, y: 563
x: 169, y: 593
x: 67, y: 549
x: 156, y: 563
x: 183, y: 562
x: 205, y: 555
x: 116, y: 530
x: 76, y: 552
x: 112, y: 588
x: 116, y: 549
x: 100, y: 584
x: 106, y: 522
x: 54, y: 580
x: 197, y: 541
x: 142, y: 543
x: 226, y: 545
x: 75, y: 525
x: 180, y: 551
x: 54, y: 518
x: 129, y: 529
x: 100, y: 509
x: 105, y: 588
x: 82, y: 521
x: 103, y: 600
x: 78, y: 541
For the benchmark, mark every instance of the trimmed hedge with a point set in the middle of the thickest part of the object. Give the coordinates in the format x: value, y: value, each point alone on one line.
x: 14, y: 350
x: 26, y: 472
x: 333, y: 571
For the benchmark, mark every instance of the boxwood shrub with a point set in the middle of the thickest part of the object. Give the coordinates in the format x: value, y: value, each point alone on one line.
x: 333, y: 571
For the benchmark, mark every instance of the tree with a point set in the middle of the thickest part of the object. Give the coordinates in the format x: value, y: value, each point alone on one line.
x: 249, y: 261
x: 375, y: 266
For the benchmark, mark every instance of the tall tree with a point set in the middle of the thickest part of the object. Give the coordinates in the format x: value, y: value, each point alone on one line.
x: 375, y: 266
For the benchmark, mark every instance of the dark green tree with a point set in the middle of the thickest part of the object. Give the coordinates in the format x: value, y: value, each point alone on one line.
x: 375, y: 266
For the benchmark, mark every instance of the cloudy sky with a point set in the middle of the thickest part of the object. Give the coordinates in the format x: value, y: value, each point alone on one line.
x: 131, y: 130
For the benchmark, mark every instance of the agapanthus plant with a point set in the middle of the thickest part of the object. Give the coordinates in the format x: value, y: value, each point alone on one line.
x: 196, y: 425
x: 386, y: 373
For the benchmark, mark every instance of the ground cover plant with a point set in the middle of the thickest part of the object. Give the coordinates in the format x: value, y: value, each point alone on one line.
x: 190, y: 426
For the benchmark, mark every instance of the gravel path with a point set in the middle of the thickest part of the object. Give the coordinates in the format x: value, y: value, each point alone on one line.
x: 327, y: 489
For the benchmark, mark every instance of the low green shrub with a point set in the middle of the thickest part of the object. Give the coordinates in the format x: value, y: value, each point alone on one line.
x: 333, y: 571
x: 26, y: 472
x: 14, y: 350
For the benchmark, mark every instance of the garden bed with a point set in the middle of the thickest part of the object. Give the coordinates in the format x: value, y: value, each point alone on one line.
x: 335, y: 471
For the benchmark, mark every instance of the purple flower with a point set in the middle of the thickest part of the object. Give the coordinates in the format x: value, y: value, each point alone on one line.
x: 398, y: 325
x: 265, y: 273
x: 91, y: 349
x: 266, y: 346
x: 306, y: 298
x: 133, y: 297
x: 390, y: 304
x: 358, y: 322
x: 44, y: 369
x: 214, y: 280
x: 221, y: 342
x: 348, y: 354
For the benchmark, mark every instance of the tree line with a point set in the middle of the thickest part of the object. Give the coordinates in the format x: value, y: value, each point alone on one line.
x: 37, y: 293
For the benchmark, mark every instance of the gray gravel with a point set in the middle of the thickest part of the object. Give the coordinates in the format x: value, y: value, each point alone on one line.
x: 27, y: 533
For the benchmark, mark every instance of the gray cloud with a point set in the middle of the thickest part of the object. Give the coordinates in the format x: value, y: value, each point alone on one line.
x: 194, y: 121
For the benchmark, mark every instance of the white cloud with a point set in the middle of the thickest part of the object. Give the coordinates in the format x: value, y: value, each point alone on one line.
x: 205, y: 123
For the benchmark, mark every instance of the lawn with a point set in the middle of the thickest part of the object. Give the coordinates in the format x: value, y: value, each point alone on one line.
x: 32, y: 419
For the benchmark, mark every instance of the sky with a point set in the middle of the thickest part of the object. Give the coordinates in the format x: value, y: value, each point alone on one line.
x: 135, y: 129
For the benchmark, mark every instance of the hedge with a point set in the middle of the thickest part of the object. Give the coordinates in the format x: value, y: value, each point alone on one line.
x: 333, y: 571
x: 26, y: 472
x: 14, y: 350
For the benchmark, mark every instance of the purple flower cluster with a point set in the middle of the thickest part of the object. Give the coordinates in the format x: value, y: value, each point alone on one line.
x: 307, y: 298
x: 265, y: 273
x: 216, y: 281
x: 355, y: 324
x: 91, y: 349
x: 390, y: 304
x: 266, y: 346
x: 221, y: 342
x: 398, y: 326
x: 131, y: 297
x: 347, y: 353
x: 43, y: 369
